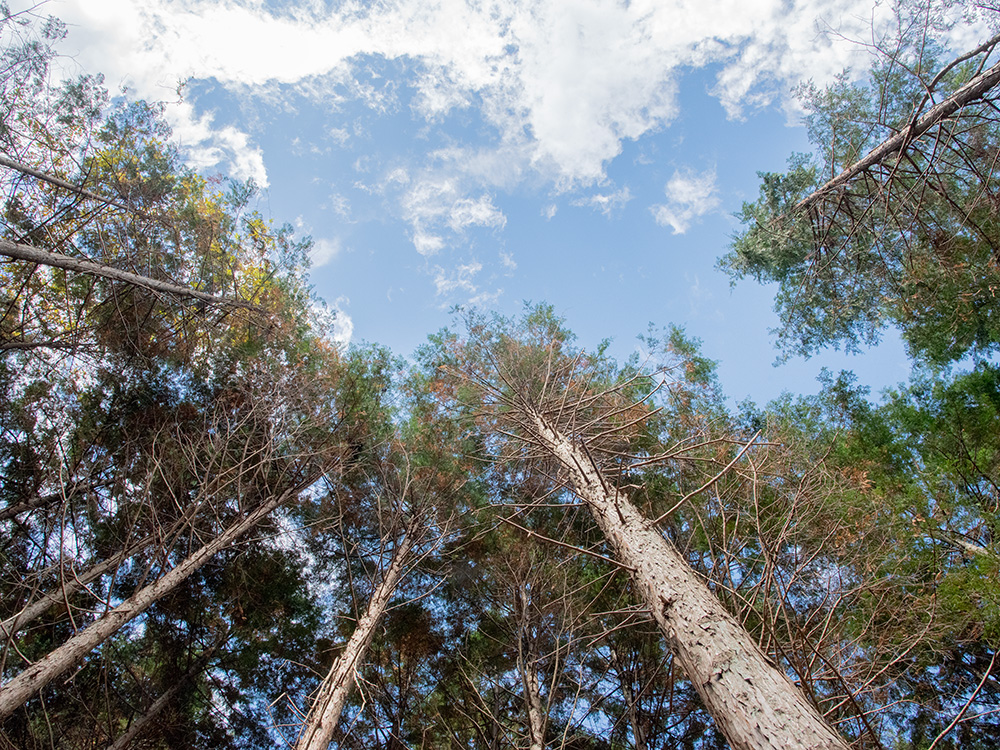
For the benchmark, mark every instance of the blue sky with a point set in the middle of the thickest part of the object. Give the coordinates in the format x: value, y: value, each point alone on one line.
x: 585, y: 153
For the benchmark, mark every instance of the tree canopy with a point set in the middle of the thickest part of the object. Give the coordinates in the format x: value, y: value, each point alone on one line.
x: 219, y: 528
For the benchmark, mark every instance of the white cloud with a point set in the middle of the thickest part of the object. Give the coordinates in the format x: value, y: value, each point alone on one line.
x: 340, y: 136
x: 343, y: 325
x: 435, y: 203
x: 208, y: 147
x: 606, y: 203
x: 508, y: 261
x: 333, y: 322
x: 481, y: 212
x: 323, y: 251
x: 558, y: 85
x: 569, y: 79
x: 427, y: 244
x: 689, y: 196
x: 460, y: 278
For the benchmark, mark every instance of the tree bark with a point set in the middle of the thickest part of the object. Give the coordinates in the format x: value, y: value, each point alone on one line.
x: 82, y: 192
x: 969, y: 93
x: 33, y: 679
x: 67, y: 589
x: 333, y: 693
x: 527, y: 664
x: 536, y: 711
x: 753, y: 703
x: 31, y: 254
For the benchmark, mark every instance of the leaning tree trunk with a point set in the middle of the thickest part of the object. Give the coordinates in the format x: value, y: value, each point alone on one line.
x: 68, y: 587
x: 325, y: 712
x: 33, y: 679
x: 753, y: 703
x: 41, y: 257
x: 127, y: 739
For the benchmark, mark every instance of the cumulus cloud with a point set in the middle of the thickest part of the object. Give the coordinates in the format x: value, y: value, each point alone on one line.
x: 565, y: 82
x: 333, y: 322
x: 208, y: 147
x: 553, y: 87
x: 689, y: 196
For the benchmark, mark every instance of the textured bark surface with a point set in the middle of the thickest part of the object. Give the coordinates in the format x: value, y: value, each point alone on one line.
x: 73, y: 582
x: 527, y: 664
x: 754, y: 704
x: 81, y: 265
x: 333, y: 693
x: 971, y: 92
x: 536, y: 711
x: 31, y: 680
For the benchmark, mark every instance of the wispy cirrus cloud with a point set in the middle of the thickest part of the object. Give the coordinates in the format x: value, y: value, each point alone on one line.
x: 607, y: 203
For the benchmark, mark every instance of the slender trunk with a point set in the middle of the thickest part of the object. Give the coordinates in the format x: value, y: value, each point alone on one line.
x: 138, y: 726
x: 536, y: 711
x: 38, y: 502
x: 67, y: 492
x: 325, y: 712
x: 31, y: 254
x: 82, y: 192
x: 33, y: 679
x: 527, y: 664
x: 753, y: 703
x: 67, y: 589
x: 971, y: 92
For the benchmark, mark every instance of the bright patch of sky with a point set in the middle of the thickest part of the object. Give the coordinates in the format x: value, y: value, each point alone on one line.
x: 586, y: 153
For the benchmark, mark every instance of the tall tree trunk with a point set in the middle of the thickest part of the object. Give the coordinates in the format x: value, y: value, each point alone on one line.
x: 536, y: 710
x: 77, y: 580
x: 68, y: 587
x: 527, y: 664
x: 333, y: 693
x: 753, y: 703
x: 33, y: 679
x: 138, y: 726
x: 32, y: 254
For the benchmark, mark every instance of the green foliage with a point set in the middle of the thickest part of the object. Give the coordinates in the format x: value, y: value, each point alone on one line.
x: 911, y: 241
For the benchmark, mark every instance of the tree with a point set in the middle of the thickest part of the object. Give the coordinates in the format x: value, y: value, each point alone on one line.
x: 924, y: 460
x: 407, y: 513
x: 569, y: 408
x: 892, y: 220
x: 142, y: 438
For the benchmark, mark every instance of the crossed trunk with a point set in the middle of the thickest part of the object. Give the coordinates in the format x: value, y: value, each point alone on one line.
x: 754, y: 705
x: 33, y: 679
x: 333, y: 693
